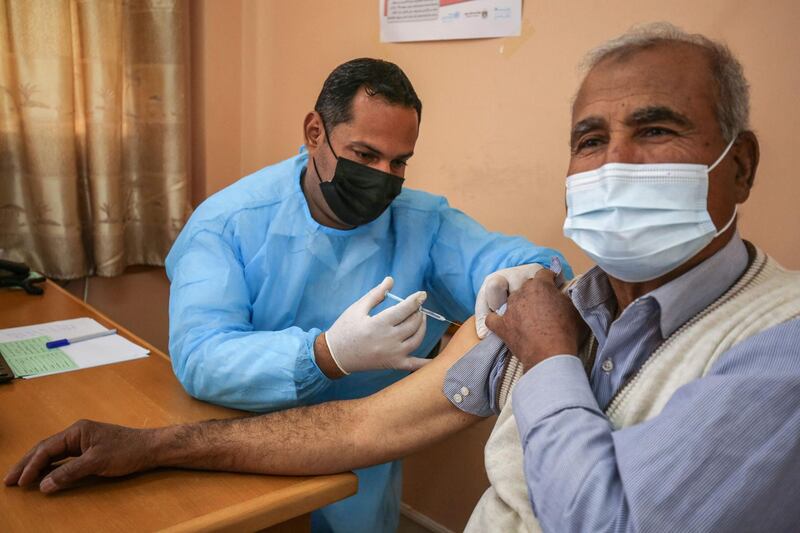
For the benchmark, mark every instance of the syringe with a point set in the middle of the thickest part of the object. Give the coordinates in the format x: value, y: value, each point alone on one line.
x: 427, y: 312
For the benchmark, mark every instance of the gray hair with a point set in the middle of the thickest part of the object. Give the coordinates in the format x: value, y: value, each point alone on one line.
x: 733, y: 91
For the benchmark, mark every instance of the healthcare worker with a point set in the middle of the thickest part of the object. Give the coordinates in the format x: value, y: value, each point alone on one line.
x: 278, y: 281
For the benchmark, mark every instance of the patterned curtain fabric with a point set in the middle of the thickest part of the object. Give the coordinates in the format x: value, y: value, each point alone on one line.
x: 93, y: 133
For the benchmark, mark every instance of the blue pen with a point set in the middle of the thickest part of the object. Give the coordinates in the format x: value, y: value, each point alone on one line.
x: 66, y: 342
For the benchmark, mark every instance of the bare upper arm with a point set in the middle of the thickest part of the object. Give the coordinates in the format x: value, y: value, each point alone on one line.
x: 413, y: 412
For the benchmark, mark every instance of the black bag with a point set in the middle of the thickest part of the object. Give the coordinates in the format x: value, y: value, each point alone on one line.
x: 20, y: 275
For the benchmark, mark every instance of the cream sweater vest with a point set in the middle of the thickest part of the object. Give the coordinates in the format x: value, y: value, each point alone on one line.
x: 766, y: 295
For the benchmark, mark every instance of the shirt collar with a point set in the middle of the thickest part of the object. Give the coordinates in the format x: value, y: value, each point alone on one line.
x: 678, y: 300
x: 687, y: 295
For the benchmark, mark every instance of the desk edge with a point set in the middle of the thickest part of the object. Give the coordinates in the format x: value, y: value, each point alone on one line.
x: 256, y: 513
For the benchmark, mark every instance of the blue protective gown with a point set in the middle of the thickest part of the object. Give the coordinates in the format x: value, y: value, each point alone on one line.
x: 255, y: 279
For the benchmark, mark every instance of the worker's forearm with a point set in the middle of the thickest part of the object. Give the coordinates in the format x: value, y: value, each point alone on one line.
x: 281, y: 372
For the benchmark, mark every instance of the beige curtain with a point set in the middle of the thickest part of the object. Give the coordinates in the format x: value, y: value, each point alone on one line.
x: 93, y: 133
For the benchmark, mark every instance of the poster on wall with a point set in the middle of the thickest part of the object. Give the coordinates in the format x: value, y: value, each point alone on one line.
x: 435, y: 20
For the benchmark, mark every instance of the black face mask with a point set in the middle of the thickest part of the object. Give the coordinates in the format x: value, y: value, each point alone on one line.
x: 358, y: 194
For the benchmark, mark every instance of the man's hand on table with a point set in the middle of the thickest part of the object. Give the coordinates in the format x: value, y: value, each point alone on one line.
x: 540, y: 322
x: 97, y: 449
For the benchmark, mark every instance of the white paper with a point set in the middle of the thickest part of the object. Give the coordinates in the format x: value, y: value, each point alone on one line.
x: 86, y: 354
x: 434, y: 20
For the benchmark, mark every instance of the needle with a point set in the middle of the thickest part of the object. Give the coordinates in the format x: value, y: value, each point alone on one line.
x: 427, y: 312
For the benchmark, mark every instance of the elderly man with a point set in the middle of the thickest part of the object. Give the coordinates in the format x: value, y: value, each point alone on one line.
x: 658, y: 392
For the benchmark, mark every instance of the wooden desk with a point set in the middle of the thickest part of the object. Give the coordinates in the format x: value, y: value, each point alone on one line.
x: 136, y: 393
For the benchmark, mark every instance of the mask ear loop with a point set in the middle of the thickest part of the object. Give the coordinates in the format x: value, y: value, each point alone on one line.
x: 712, y: 167
x: 719, y: 159
x: 728, y: 225
x: 328, y: 137
x: 330, y: 147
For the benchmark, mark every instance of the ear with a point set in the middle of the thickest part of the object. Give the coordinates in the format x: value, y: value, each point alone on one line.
x: 313, y: 132
x: 746, y: 154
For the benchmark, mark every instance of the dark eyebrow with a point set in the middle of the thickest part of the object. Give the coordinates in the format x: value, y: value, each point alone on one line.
x: 647, y: 115
x: 378, y: 152
x: 584, y: 126
x: 639, y: 117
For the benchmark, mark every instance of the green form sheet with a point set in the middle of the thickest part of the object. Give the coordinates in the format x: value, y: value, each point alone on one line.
x: 30, y: 357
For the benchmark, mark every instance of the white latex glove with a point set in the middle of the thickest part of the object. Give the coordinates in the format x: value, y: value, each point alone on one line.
x: 495, y: 290
x: 359, y: 342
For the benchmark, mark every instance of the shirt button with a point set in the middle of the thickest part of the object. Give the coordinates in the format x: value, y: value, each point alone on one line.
x: 607, y: 366
x: 464, y: 391
x: 457, y: 398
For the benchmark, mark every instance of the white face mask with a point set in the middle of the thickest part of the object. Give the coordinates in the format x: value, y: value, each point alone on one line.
x: 640, y: 221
